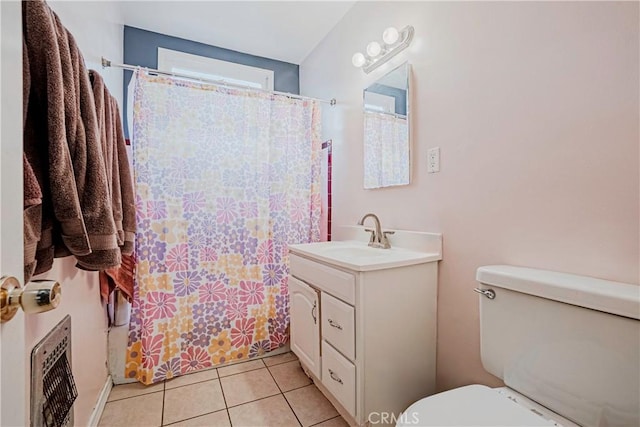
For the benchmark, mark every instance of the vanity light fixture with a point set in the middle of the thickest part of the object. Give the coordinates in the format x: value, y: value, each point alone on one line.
x: 374, y: 49
x: 395, y: 41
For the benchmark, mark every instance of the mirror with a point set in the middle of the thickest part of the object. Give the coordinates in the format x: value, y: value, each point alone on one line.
x: 386, y: 130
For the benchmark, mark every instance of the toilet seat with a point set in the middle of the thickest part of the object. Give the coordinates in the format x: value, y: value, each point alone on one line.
x: 479, y: 405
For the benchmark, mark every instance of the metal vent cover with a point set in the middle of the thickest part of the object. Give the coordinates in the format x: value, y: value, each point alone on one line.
x: 53, y: 389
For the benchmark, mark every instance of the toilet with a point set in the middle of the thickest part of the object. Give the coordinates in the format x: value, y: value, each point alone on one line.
x: 567, y: 348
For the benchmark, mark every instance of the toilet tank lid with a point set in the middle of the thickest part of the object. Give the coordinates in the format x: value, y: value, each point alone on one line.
x: 618, y: 298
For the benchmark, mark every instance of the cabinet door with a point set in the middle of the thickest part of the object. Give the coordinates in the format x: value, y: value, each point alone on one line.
x: 304, y: 304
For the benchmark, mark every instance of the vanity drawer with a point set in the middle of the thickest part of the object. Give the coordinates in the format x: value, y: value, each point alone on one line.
x: 337, y: 282
x: 339, y: 377
x: 338, y: 325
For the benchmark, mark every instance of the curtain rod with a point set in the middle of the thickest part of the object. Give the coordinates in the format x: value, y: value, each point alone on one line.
x: 107, y: 63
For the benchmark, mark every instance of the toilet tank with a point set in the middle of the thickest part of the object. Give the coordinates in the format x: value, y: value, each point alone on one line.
x: 568, y: 342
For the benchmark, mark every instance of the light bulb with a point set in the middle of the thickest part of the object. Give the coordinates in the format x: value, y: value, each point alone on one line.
x: 358, y: 60
x: 390, y: 35
x: 374, y: 49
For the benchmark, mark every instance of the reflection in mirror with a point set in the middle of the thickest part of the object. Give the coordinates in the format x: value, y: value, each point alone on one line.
x: 386, y: 130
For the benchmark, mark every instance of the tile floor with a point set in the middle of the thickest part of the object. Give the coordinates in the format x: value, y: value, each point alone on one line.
x: 267, y: 392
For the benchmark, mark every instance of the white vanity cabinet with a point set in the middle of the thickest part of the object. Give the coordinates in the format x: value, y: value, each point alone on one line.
x: 371, y: 348
x: 304, y: 303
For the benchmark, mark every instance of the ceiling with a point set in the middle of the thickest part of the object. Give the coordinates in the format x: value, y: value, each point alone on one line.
x: 283, y: 30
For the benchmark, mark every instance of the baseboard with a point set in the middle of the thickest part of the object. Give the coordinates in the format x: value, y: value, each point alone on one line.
x: 102, y: 400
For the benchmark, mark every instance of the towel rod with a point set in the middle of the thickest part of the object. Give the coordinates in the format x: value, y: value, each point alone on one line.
x: 107, y: 63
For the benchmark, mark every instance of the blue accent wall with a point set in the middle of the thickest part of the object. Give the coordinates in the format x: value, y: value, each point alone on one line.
x: 399, y: 94
x: 141, y: 48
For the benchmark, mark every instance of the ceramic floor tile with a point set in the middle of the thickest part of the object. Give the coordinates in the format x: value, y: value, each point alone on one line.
x: 333, y: 422
x: 289, y: 375
x: 216, y: 419
x: 272, y: 411
x: 310, y: 405
x: 240, y: 367
x: 134, y: 389
x: 196, y: 377
x: 248, y: 386
x: 139, y: 411
x: 281, y: 358
x: 192, y: 400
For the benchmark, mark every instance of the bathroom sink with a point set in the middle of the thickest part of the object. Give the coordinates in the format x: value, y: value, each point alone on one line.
x: 353, y: 251
x: 356, y: 255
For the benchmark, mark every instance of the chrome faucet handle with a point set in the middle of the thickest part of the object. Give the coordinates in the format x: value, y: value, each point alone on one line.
x: 384, y: 242
x: 372, y: 238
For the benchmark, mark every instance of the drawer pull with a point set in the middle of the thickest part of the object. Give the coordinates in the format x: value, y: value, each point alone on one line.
x: 335, y: 377
x: 335, y: 324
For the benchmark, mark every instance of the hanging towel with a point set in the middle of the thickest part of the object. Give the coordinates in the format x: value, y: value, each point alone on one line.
x: 102, y: 99
x: 76, y: 145
x: 116, y: 163
x: 32, y: 217
x: 127, y: 197
x: 92, y: 180
x: 32, y: 195
x: 119, y: 277
x: 74, y: 126
x: 116, y: 195
x: 45, y: 136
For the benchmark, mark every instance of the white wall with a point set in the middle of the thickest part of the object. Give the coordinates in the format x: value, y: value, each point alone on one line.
x: 535, y: 109
x: 98, y: 30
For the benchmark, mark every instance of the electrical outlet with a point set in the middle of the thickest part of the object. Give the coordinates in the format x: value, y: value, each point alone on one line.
x: 433, y: 160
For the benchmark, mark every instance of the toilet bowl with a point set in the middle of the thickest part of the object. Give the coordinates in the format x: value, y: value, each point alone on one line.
x: 567, y: 347
x: 479, y: 405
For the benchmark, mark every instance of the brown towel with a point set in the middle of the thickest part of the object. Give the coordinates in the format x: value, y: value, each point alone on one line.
x: 116, y: 196
x: 104, y: 112
x: 76, y: 145
x: 45, y: 136
x: 76, y: 140
x: 32, y: 195
x: 119, y: 277
x: 114, y: 151
x: 126, y: 186
x: 32, y: 217
x: 92, y: 179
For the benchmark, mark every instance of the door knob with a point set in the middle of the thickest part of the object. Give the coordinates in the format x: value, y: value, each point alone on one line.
x: 37, y: 296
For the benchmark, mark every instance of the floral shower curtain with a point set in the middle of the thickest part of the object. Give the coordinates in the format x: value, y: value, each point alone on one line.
x: 224, y: 180
x: 386, y: 150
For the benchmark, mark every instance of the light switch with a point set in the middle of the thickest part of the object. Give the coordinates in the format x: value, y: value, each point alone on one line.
x: 433, y: 160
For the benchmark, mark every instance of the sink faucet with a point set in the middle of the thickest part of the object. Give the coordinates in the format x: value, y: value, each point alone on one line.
x: 378, y: 237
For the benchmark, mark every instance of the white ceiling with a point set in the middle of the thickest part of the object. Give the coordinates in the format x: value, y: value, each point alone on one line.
x: 283, y: 30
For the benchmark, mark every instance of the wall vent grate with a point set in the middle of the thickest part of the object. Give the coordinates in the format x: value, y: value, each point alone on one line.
x: 53, y: 389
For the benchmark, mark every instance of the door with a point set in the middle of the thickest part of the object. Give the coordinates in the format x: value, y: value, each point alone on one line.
x: 304, y: 303
x: 13, y: 355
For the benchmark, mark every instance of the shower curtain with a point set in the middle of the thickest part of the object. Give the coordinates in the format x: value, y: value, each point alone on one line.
x: 386, y: 150
x: 225, y: 179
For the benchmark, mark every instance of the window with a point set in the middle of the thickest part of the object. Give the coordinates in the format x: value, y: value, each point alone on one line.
x: 214, y: 69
